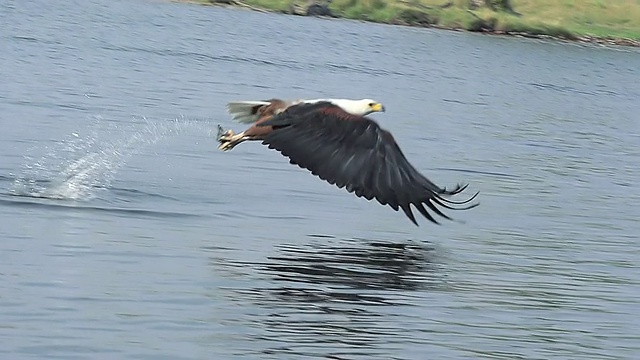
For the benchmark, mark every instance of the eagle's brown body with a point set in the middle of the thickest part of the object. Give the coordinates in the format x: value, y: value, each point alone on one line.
x: 264, y: 113
x: 337, y: 142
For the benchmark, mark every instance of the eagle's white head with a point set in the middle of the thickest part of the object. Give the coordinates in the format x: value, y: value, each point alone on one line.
x: 359, y: 107
x: 356, y: 107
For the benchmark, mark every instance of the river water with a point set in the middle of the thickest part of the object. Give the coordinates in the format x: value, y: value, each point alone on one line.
x: 126, y: 234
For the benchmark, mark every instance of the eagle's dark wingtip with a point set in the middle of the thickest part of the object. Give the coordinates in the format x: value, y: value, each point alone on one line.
x: 458, y: 189
x: 426, y: 214
x: 454, y: 192
x: 407, y: 211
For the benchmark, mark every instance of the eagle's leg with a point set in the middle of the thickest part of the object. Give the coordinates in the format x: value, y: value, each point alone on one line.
x: 228, y: 139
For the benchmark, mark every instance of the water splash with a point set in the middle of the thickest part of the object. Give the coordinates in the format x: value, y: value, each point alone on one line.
x: 81, y: 165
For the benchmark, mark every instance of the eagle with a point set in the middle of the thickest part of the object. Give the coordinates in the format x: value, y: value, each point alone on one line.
x: 336, y: 141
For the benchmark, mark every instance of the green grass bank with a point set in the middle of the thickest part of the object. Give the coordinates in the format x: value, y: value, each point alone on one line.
x: 600, y: 21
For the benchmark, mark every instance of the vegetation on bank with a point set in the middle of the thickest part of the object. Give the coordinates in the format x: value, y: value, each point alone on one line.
x: 591, y: 20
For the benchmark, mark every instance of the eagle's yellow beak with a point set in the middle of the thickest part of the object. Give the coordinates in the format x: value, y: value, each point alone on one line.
x: 377, y: 107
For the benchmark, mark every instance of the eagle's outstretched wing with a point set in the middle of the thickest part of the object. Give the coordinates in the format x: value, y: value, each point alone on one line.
x: 355, y: 153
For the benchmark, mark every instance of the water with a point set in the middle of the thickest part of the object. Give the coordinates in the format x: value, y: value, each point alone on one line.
x: 126, y: 234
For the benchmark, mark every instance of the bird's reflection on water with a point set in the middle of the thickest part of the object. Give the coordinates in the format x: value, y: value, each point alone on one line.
x: 352, y: 265
x: 336, y: 292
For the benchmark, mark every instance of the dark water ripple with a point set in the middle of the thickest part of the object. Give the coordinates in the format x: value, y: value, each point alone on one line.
x: 56, y: 205
x: 570, y: 89
x: 277, y: 63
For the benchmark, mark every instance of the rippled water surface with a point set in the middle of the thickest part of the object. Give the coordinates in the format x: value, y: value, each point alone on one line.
x: 125, y: 233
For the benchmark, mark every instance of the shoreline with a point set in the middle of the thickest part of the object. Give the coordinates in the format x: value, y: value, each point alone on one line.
x: 487, y: 30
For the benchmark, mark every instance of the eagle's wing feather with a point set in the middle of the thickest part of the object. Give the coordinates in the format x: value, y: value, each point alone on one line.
x: 245, y: 111
x: 354, y: 152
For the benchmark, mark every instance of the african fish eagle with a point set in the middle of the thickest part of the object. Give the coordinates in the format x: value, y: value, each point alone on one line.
x: 334, y: 140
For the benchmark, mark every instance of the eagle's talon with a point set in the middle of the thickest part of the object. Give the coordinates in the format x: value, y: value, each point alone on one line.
x: 226, y: 136
x: 225, y: 145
